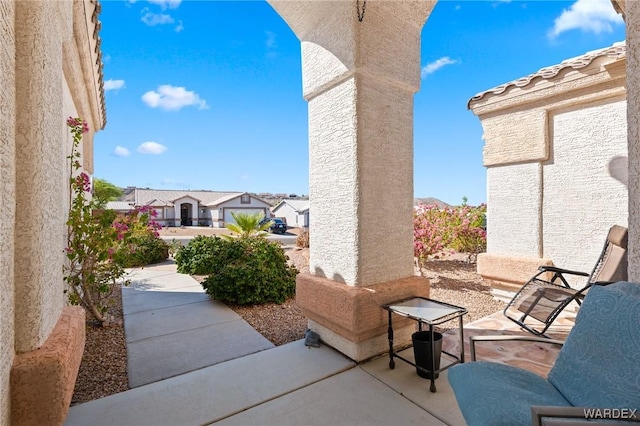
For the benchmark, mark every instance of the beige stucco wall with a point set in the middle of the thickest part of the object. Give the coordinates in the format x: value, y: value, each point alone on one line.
x: 7, y: 209
x: 513, y: 203
x: 585, y: 188
x: 556, y: 158
x: 38, y: 272
x: 46, y: 63
x: 632, y: 14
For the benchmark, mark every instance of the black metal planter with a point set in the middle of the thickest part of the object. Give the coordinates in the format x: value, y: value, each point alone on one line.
x: 422, y: 351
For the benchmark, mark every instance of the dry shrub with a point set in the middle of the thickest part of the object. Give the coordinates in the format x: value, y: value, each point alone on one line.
x: 303, y: 238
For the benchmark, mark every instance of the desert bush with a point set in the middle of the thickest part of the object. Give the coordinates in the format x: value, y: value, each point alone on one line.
x: 145, y: 249
x: 143, y: 245
x: 436, y: 230
x: 199, y: 255
x: 303, y: 238
x: 250, y: 270
x: 468, y: 230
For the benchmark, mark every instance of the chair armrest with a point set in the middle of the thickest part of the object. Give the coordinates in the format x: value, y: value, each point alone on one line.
x: 552, y: 416
x: 501, y: 338
x: 546, y: 268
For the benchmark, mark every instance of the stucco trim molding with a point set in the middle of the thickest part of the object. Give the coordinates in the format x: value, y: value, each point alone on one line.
x: 42, y: 380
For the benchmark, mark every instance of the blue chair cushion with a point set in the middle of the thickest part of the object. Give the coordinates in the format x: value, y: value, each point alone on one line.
x: 498, y: 394
x: 599, y: 364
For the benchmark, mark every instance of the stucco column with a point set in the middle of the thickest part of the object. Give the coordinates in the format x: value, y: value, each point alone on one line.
x: 359, y: 78
x: 632, y: 17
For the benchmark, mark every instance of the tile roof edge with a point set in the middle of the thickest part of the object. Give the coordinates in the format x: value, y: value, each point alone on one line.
x: 617, y: 50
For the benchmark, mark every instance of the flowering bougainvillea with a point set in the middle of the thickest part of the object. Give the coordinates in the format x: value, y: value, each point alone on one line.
x: 437, y: 230
x: 100, y: 244
x: 92, y: 266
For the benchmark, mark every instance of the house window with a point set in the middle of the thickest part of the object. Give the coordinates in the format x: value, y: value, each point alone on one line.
x: 245, y: 199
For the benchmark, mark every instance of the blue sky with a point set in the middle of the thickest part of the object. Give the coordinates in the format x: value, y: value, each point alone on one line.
x: 207, y: 94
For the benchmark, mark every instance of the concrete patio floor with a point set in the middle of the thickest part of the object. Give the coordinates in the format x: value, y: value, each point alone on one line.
x: 286, y: 385
x: 193, y: 361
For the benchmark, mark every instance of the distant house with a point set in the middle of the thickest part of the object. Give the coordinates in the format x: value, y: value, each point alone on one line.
x: 192, y: 208
x: 296, y: 212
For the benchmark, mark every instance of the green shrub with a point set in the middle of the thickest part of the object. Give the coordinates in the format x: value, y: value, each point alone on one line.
x: 197, y: 257
x: 145, y: 248
x: 250, y: 271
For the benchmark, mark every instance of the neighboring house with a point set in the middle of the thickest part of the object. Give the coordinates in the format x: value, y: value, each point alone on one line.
x: 119, y: 206
x: 192, y: 208
x: 556, y: 157
x: 295, y: 212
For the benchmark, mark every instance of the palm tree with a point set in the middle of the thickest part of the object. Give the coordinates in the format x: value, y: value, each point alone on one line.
x: 248, y: 224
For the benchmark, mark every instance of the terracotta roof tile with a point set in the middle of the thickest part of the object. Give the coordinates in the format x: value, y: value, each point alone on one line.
x: 617, y: 50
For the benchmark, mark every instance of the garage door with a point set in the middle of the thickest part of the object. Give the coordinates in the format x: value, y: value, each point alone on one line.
x: 229, y: 219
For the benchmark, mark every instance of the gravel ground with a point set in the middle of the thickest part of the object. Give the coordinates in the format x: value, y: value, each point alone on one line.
x: 104, y: 364
x: 103, y: 370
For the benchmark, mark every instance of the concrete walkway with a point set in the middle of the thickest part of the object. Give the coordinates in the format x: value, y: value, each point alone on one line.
x: 172, y: 327
x: 193, y: 361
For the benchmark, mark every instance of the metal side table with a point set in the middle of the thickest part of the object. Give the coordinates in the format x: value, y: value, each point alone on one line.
x: 429, y: 312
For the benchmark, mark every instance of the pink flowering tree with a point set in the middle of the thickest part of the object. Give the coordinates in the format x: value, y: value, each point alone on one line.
x: 431, y: 234
x: 94, y: 263
x: 468, y: 230
x: 438, y: 230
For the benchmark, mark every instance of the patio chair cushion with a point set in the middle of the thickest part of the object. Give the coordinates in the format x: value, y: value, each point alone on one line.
x: 498, y: 394
x: 594, y: 367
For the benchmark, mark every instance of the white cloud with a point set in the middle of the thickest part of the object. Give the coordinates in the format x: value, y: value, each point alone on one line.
x: 151, y: 148
x: 121, y: 151
x: 166, y: 4
x: 596, y: 16
x: 434, y: 66
x: 153, y: 19
x: 172, y: 98
x: 179, y: 27
x: 113, y: 85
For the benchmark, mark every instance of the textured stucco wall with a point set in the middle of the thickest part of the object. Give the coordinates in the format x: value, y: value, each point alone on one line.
x: 385, y: 164
x: 556, y: 157
x: 632, y: 13
x: 514, y: 195
x: 585, y: 184
x: 516, y: 137
x: 333, y: 182
x: 7, y: 209
x: 360, y: 134
x: 39, y: 255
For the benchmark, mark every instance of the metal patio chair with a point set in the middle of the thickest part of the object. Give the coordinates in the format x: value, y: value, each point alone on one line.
x: 539, y: 302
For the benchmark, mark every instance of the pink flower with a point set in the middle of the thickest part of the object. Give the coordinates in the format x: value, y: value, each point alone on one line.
x: 77, y: 122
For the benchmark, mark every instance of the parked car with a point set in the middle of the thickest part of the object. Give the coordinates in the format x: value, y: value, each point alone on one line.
x: 277, y: 225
